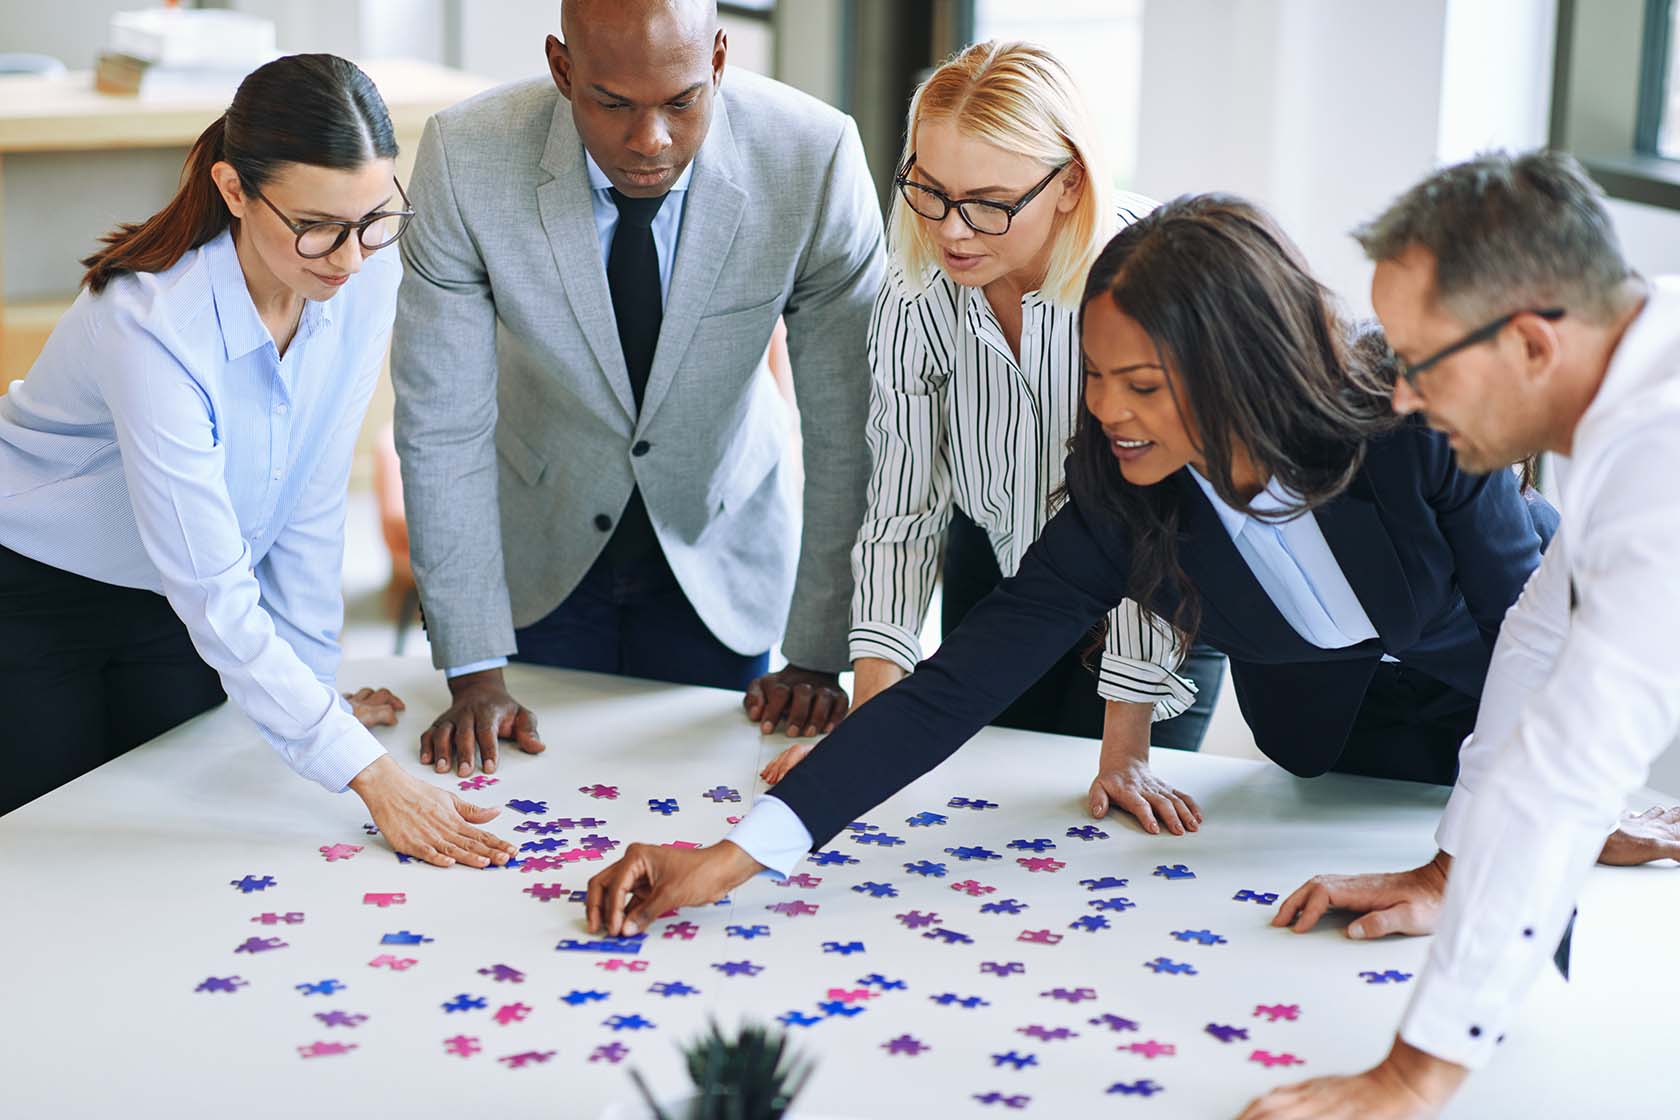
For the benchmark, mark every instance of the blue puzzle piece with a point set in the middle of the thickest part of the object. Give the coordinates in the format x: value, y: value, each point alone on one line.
x: 926, y: 867
x: 403, y: 937
x: 669, y: 988
x: 1090, y: 923
x: 1176, y: 871
x: 663, y: 805
x: 876, y: 980
x: 798, y: 1019
x: 1264, y: 898
x: 862, y: 826
x: 830, y: 859
x: 1144, y: 1088
x: 966, y: 853
x: 970, y: 803
x: 1388, y: 976
x: 948, y: 999
x: 1226, y: 1034
x: 577, y: 997
x: 841, y: 1008
x: 1119, y: 903
x: 1106, y: 883
x: 531, y: 808
x: 746, y: 932
x: 1086, y: 832
x: 949, y: 936
x: 845, y: 949
x: 923, y: 820
x: 603, y: 945
x: 877, y: 890
x: 321, y: 987
x: 1019, y: 1061
x: 1205, y: 936
x: 464, y: 1002
x: 1162, y: 964
x: 720, y: 794
x: 546, y: 844
x: 251, y: 883
x: 627, y: 1023
x: 739, y: 968
x: 1039, y: 845
x: 1003, y: 906
x: 880, y: 838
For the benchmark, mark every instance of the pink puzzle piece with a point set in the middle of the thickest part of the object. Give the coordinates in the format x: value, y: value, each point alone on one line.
x: 802, y: 880
x: 972, y: 888
x: 479, y: 781
x: 591, y: 854
x: 793, y: 909
x: 1151, y: 1048
x: 613, y: 964
x: 599, y: 791
x: 684, y: 930
x: 1040, y: 936
x: 680, y: 844
x: 519, y: 1061
x: 335, y: 852
x: 511, y: 1013
x: 1041, y: 863
x: 291, y: 919
x: 1276, y: 1011
x: 1269, y: 1059
x: 463, y: 1045
x: 542, y: 863
x: 325, y: 1049
x: 851, y: 995
x: 389, y: 898
x: 395, y: 964
x: 546, y: 892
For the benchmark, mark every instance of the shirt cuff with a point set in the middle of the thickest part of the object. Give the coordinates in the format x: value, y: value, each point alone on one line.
x: 1445, y: 1021
x: 772, y: 834
x: 1450, y: 831
x: 886, y: 641
x: 475, y: 667
x: 349, y: 750
x: 1134, y: 681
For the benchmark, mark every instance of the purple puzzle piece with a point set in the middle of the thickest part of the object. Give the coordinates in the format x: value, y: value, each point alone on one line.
x: 221, y: 984
x: 613, y: 1052
x: 530, y: 808
x: 251, y: 883
x: 793, y: 909
x: 738, y: 968
x: 291, y: 918
x: 720, y: 794
x: 1004, y: 906
x: 1070, y: 995
x: 916, y: 919
x: 802, y: 880
x: 1047, y: 1034
x: 1007, y: 1100
x: 340, y: 1019
x: 1003, y: 968
x: 259, y: 945
x: 1226, y: 1034
x: 502, y: 972
x: 1113, y: 1022
x: 905, y: 1044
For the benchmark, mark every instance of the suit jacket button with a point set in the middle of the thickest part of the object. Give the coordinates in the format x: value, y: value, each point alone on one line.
x: 603, y: 522
x: 641, y: 448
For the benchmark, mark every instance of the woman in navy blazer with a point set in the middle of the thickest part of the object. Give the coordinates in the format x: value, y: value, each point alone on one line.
x: 1221, y: 389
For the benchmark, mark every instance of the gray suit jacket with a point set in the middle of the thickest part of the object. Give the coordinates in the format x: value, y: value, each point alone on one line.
x: 514, y: 414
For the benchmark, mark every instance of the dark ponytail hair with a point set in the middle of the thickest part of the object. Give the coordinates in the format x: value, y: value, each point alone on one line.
x: 315, y: 109
x: 1263, y: 358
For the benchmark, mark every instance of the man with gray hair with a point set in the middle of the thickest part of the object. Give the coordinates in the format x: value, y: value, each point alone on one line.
x: 1520, y: 328
x: 591, y: 448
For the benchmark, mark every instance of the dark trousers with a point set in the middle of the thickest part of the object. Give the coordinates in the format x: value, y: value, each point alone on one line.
x: 87, y: 671
x: 629, y: 617
x: 1409, y: 727
x: 1064, y: 700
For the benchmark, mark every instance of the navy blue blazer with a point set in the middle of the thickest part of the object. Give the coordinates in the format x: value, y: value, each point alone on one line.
x: 1435, y: 555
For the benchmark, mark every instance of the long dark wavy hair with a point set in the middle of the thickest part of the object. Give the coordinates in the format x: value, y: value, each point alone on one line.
x: 1263, y: 360
x: 315, y: 109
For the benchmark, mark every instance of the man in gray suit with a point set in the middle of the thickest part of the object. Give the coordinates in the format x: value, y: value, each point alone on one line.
x: 591, y: 449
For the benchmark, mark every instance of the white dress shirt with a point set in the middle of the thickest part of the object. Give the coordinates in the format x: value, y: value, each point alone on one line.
x: 667, y: 226
x: 1582, y: 695
x: 161, y: 442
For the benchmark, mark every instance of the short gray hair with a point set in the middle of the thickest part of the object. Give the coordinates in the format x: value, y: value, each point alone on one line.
x: 1509, y: 231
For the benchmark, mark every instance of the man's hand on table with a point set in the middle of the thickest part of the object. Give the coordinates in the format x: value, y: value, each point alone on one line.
x: 426, y: 822
x: 375, y: 707
x: 811, y: 702
x: 1409, y: 1084
x: 1394, y: 902
x: 483, y: 713
x: 649, y: 880
x: 1644, y: 838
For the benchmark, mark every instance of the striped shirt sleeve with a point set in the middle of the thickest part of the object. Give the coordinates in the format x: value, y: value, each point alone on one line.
x: 1139, y: 657
x: 895, y: 561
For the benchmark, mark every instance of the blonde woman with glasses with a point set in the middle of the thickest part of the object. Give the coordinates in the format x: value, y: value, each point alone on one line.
x: 1002, y: 204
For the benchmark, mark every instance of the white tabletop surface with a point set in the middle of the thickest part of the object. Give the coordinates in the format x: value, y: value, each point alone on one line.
x: 117, y: 903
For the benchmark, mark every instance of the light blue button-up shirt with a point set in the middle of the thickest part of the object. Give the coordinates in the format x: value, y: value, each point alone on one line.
x: 161, y: 442
x: 667, y: 225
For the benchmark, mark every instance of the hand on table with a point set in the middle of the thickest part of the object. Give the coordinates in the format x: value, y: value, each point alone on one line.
x: 483, y: 713
x: 426, y: 822
x: 1409, y: 1084
x: 1133, y: 788
x: 811, y: 702
x: 1644, y: 838
x: 649, y: 880
x: 375, y: 706
x: 1406, y: 902
x: 872, y: 676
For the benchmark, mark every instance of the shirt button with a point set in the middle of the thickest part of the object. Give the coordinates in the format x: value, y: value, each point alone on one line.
x: 603, y: 522
x: 279, y: 410
x: 642, y: 447
x: 1475, y: 1032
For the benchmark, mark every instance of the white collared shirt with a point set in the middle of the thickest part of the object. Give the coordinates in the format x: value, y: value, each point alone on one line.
x: 1582, y: 695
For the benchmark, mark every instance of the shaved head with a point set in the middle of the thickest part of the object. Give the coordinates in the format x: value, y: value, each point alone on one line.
x: 641, y: 76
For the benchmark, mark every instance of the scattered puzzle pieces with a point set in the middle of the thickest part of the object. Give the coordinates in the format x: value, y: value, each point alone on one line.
x: 1176, y: 871
x: 384, y: 899
x: 251, y: 883
x: 324, y: 1049
x: 1276, y: 1011
x: 1226, y: 1034
x: 529, y: 808
x: 968, y: 853
x: 221, y: 984
x: 613, y: 1052
x: 1163, y: 964
x: 950, y: 999
x: 321, y: 987
x: 1012, y: 1058
x: 1040, y: 936
x: 291, y: 919
x: 259, y: 945
x: 1265, y: 898
x: 1010, y: 1100
x: 1046, y: 1034
x: 830, y: 859
x: 479, y: 781
x: 520, y: 1061
x: 793, y: 909
x: 916, y: 919
x: 844, y: 948
x: 577, y: 997
x: 720, y: 794
x: 1106, y: 883
x: 1269, y: 1059
x: 395, y: 964
x: 877, y: 890
x: 1205, y: 936
x: 905, y: 1044
x: 599, y: 791
x: 925, y: 820
x: 664, y: 806
x: 738, y: 968
x: 1003, y: 968
x: 1388, y: 976
x: 669, y: 988
x: 340, y: 1019
x: 1113, y: 1022
x: 970, y: 803
x: 926, y: 867
x: 512, y: 1013
x: 1151, y: 1049
x: 1070, y: 995
x: 464, y: 1002
x: 746, y: 933
x: 462, y: 1045
x: 503, y: 974
x: 1144, y: 1088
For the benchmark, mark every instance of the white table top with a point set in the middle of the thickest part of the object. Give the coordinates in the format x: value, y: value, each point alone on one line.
x: 118, y: 904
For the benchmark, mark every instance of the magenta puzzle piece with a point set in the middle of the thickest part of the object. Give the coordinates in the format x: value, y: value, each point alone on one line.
x: 613, y: 964
x: 520, y: 1061
x: 1269, y: 1059
x: 336, y: 852
x: 479, y: 781
x: 545, y: 892
x: 1151, y: 1048
x: 1276, y: 1011
x: 325, y: 1049
x: 972, y: 888
x: 291, y: 919
x: 684, y: 930
x: 384, y: 899
x: 1040, y: 936
x: 511, y: 1013
x: 599, y: 791
x: 1040, y: 863
x: 463, y: 1045
x: 804, y: 881
x: 259, y: 945
x: 613, y: 1052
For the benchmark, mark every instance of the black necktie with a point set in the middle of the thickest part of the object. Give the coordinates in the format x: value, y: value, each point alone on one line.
x: 633, y: 280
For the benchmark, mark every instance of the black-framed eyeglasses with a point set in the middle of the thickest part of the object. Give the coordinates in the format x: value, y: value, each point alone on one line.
x: 982, y: 215
x: 1411, y: 370
x: 322, y: 239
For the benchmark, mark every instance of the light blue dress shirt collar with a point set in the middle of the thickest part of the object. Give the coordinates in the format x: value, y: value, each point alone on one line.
x: 667, y: 224
x: 242, y: 328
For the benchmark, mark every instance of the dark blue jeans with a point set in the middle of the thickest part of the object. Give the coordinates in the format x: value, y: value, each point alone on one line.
x: 633, y: 620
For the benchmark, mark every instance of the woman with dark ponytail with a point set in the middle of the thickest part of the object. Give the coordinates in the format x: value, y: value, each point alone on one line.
x: 173, y: 469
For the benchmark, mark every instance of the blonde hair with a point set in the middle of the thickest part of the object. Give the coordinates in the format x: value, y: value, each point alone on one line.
x: 1018, y: 97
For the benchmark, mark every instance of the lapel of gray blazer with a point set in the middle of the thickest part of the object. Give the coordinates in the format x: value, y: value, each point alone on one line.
x: 711, y: 214
x: 568, y: 218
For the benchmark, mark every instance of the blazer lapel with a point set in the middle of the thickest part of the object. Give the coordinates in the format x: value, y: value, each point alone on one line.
x: 568, y: 218
x: 1356, y: 535
x: 711, y: 214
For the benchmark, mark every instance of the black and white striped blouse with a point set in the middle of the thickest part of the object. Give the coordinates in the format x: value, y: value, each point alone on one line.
x: 954, y: 418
